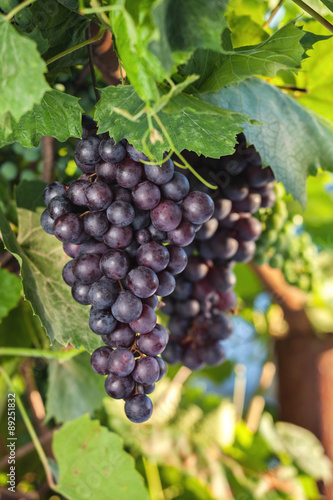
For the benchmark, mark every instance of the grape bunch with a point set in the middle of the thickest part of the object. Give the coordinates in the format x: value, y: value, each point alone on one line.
x: 204, y: 291
x: 114, y: 222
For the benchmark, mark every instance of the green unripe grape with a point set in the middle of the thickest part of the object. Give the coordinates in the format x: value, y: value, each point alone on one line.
x: 277, y: 261
x: 9, y: 170
x: 280, y: 191
x: 261, y: 259
x: 32, y: 154
x: 304, y: 282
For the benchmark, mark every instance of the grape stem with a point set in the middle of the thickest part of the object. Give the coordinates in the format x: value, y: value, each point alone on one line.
x: 39, y: 353
x: 91, y: 65
x: 98, y: 36
x: 273, y: 14
x: 314, y: 14
x: 31, y: 430
x: 17, y: 9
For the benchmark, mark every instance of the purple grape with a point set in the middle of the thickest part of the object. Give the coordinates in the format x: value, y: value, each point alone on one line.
x: 257, y: 176
x: 188, y: 309
x: 101, y: 322
x: 222, y: 279
x: 196, y: 268
x: 86, y: 268
x: 193, y: 359
x: 119, y: 387
x: 87, y: 150
x: 162, y: 366
x: 106, y: 172
x: 85, y: 167
x: 173, y: 353
x: 103, y: 294
x: 245, y: 251
x: 213, y: 354
x: 156, y: 234
x: 250, y: 204
x: 222, y: 208
x: 52, y: 190
x: 99, y: 196
x: 163, y: 330
x: 141, y: 219
x: 77, y: 192
x: 120, y: 213
x: 160, y: 174
x: 138, y: 408
x: 71, y: 249
x: 134, y: 154
x: 178, y: 259
x: 221, y: 328
x: 122, y: 336
x: 166, y: 216
x: 128, y: 173
x: 142, y: 281
x: 268, y: 201
x: 153, y: 255
x: 121, y: 194
x: 167, y: 284
x: 197, y: 207
x: 207, y: 230
x: 93, y: 246
x: 225, y: 245
x: 145, y: 322
x: 47, y: 222
x: 178, y: 327
x: 95, y: 223
x: 142, y: 236
x: 99, y: 360
x: 67, y: 273
x: 59, y: 205
x: 183, y: 289
x: 115, y: 264
x: 146, y: 195
x: 177, y: 188
x: 151, y: 301
x: 89, y: 126
x: 132, y: 249
x: 118, y: 237
x: 68, y: 228
x: 127, y: 307
x: 111, y: 152
x: 121, y: 362
x: 80, y: 292
x: 146, y: 370
x: 237, y: 189
x: 183, y: 235
x: 248, y: 228
x: 152, y: 343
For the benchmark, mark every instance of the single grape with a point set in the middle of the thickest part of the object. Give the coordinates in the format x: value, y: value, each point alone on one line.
x: 221, y: 328
x: 95, y: 223
x: 71, y: 249
x: 119, y: 387
x: 177, y: 188
x: 87, y: 150
x: 67, y: 273
x: 86, y: 268
x: 257, y: 176
x: 245, y: 251
x: 142, y: 281
x: 106, y: 172
x: 213, y: 354
x: 224, y: 245
x: 197, y: 207
x: 152, y: 343
x: 156, y: 234
x: 77, y: 192
x: 142, y: 236
x: 222, y: 279
x: 178, y: 259
x: 99, y: 360
x: 127, y: 307
x: 134, y: 154
x: 163, y: 330
x: 80, y: 292
x: 128, y: 173
x: 47, y: 222
x: 173, y: 353
x: 248, y: 228
x: 85, y: 167
x: 141, y: 219
x: 166, y: 216
x: 162, y: 366
x: 146, y: 195
x: 122, y: 336
x: 167, y: 284
x: 102, y: 294
x: 99, y: 196
x: 189, y: 308
x: 151, y: 301
x: 178, y: 327
x: 146, y: 370
x: 196, y: 268
x: 222, y: 208
x: 145, y: 322
x: 118, y: 237
x: 153, y: 255
x: 121, y: 194
x: 120, y: 213
x: 111, y: 151
x: 101, y: 322
x: 68, y: 228
x: 251, y: 203
x: 183, y: 235
x: 93, y: 246
x: 115, y: 264
x: 183, y: 289
x: 193, y: 359
x: 237, y: 189
x: 59, y: 205
x: 121, y: 362
x: 138, y: 408
x: 207, y: 230
x: 160, y: 174
x: 54, y: 189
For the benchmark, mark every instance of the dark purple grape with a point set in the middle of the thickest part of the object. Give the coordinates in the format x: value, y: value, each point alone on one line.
x: 80, y: 292
x: 221, y: 328
x: 119, y: 387
x: 245, y: 251
x: 248, y: 228
x: 141, y: 219
x: 167, y: 284
x: 250, y: 204
x: 146, y: 370
x: 138, y: 408
x: 132, y: 249
x: 206, y: 250
x: 152, y: 343
x: 93, y: 246
x: 121, y: 194
x: 151, y: 301
x: 54, y: 189
x: 95, y: 223
x: 118, y: 237
x: 224, y: 245
x: 103, y: 293
x: 142, y: 236
x: 121, y: 362
x: 77, y: 192
x: 164, y: 331
x: 146, y: 195
x: 85, y: 167
x: 111, y: 151
x: 227, y: 301
x: 173, y: 353
x: 235, y: 165
x: 153, y: 255
x: 99, y: 196
x: 183, y: 289
x: 230, y: 221
x: 162, y: 366
x: 145, y: 389
x: 142, y: 281
x: 89, y: 126
x: 207, y: 230
x: 87, y: 150
x: 122, y: 336
x: 120, y: 213
x: 177, y: 188
x: 222, y: 278
x: 86, y: 268
x: 127, y: 307
x: 213, y: 354
x: 178, y: 327
x: 183, y: 235
x: 47, y: 222
x: 222, y: 208
x: 101, y: 322
x: 134, y: 154
x: 99, y: 360
x: 59, y: 205
x: 188, y: 309
x: 156, y: 234
x: 257, y: 176
x: 166, y: 216
x: 178, y: 259
x: 67, y: 273
x: 160, y: 174
x: 71, y: 249
x: 237, y: 189
x: 197, y: 207
x: 196, y: 268
x: 268, y: 201
x: 145, y: 322
x: 193, y: 359
x: 106, y: 172
x: 115, y: 264
x: 68, y: 228
x: 128, y: 173
x: 168, y: 306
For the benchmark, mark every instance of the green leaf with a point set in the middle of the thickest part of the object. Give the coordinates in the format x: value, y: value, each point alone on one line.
x: 36, y: 35
x: 191, y: 123
x: 245, y: 31
x: 281, y: 51
x: 10, y: 292
x: 318, y: 216
x: 22, y: 79
x: 93, y: 464
x: 41, y: 258
x: 292, y: 140
x: 58, y: 115
x: 329, y: 4
x: 73, y: 389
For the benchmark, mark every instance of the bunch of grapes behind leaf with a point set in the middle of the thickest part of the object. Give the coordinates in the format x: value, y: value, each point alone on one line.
x: 114, y: 222
x: 283, y: 245
x: 203, y: 297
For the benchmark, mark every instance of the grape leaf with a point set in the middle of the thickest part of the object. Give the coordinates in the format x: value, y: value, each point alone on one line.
x: 66, y: 401
x: 294, y: 141
x: 22, y: 79
x: 41, y: 258
x: 329, y: 4
x: 10, y: 292
x: 58, y: 115
x: 190, y: 122
x: 282, y: 50
x: 245, y: 31
x: 93, y: 464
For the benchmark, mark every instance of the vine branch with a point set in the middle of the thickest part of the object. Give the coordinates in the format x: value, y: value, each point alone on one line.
x: 18, y: 8
x: 39, y: 353
x: 314, y: 14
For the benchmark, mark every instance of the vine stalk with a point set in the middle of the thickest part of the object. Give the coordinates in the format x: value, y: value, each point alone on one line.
x: 17, y: 9
x: 314, y: 14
